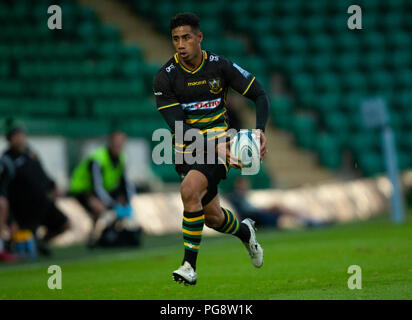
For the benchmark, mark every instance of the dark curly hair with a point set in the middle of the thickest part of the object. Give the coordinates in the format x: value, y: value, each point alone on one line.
x: 185, y: 19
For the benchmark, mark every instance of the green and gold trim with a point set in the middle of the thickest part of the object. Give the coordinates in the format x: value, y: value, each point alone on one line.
x: 223, y: 162
x: 205, y: 119
x: 212, y: 133
x: 248, y: 87
x: 215, y: 129
x: 232, y: 223
x: 204, y: 58
x: 192, y: 228
x: 168, y: 106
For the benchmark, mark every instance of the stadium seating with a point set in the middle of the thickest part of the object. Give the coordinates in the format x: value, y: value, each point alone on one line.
x: 78, y: 82
x: 82, y: 81
x: 330, y: 69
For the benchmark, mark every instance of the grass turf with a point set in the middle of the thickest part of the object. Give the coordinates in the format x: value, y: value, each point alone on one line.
x: 309, y: 264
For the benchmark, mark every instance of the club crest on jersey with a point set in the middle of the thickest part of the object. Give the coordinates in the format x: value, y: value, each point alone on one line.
x: 215, y: 86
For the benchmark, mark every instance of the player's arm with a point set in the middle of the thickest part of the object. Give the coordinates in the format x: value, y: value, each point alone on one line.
x: 259, y: 96
x: 168, y: 105
x: 247, y: 85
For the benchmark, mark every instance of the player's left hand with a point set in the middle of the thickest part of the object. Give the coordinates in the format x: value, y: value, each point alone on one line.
x: 263, y: 149
x: 223, y: 149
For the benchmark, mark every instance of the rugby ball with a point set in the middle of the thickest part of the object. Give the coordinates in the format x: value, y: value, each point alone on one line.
x: 246, y: 146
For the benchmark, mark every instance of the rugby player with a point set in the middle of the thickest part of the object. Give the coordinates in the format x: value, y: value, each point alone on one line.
x: 191, y: 89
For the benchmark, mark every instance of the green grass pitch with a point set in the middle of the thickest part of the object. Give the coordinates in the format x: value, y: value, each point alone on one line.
x: 310, y: 264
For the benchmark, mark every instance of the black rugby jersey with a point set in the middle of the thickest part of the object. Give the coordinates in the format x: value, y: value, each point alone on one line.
x: 201, y: 93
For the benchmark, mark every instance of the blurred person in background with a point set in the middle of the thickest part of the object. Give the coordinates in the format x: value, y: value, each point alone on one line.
x: 100, y: 184
x: 264, y: 217
x: 5, y: 231
x: 27, y: 193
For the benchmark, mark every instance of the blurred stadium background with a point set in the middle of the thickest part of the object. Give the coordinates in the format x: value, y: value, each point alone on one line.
x: 70, y: 87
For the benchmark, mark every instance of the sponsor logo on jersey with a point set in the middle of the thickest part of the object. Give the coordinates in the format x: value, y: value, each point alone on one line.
x: 196, y: 83
x: 215, y: 86
x: 201, y: 105
x: 242, y: 71
x: 169, y: 68
x: 158, y: 93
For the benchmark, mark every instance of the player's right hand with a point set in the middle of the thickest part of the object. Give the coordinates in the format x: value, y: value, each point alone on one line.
x: 223, y: 150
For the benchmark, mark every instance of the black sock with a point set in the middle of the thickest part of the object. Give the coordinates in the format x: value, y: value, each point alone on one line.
x: 243, y: 233
x: 232, y: 225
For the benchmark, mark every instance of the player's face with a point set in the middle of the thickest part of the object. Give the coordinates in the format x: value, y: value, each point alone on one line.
x: 116, y: 143
x: 187, y: 42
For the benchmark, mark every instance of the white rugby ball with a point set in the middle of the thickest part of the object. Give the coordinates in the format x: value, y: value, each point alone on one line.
x: 246, y: 146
